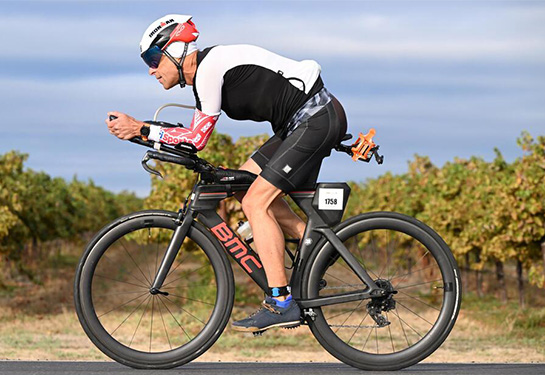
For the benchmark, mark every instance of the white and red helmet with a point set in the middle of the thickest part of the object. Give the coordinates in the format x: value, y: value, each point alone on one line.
x: 171, y: 33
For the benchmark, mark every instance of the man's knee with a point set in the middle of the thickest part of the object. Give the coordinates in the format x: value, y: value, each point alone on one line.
x: 259, y: 197
x: 255, y: 204
x: 250, y: 205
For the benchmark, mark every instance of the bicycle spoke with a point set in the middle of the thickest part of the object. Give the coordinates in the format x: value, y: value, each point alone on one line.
x: 157, y: 257
x: 119, y: 281
x: 176, y: 320
x: 130, y: 323
x: 359, y: 261
x: 407, y: 324
x: 123, y: 304
x: 422, y: 257
x: 410, y: 273
x: 356, y: 330
x: 164, y: 325
x: 147, y: 263
x: 424, y: 283
x: 334, y: 316
x: 417, y: 299
x: 348, y: 317
x: 185, y: 276
x: 397, y: 252
x: 386, y: 265
x: 389, y: 256
x: 390, y: 332
x: 431, y: 324
x: 140, y: 321
x: 191, y: 299
x: 186, y: 286
x: 118, y: 294
x: 184, y: 310
x: 376, y: 338
x: 136, y: 264
x: 151, y: 326
x: 128, y: 316
x: 342, y: 281
x: 179, y: 264
x: 369, y: 335
x: 402, y: 328
x: 362, y: 263
x: 130, y: 273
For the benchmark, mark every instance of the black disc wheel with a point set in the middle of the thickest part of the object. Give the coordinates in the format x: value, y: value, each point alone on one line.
x: 423, y: 292
x: 142, y: 329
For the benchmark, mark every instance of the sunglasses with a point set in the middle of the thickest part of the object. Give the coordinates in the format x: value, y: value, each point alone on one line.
x: 152, y: 56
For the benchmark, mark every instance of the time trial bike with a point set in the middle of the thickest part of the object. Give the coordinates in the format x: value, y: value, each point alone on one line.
x: 155, y: 289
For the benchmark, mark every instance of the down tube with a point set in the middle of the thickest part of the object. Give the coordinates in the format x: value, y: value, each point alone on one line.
x: 239, y: 251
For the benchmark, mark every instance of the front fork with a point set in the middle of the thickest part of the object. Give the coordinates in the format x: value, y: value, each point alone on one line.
x: 184, y: 223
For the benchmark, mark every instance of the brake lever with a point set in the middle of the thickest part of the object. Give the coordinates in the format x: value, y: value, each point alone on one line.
x: 147, y: 168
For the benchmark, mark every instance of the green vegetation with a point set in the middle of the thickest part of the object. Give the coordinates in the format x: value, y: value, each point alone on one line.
x: 39, y: 215
x: 492, y: 215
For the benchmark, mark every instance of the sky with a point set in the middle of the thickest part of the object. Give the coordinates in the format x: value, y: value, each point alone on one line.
x: 444, y: 79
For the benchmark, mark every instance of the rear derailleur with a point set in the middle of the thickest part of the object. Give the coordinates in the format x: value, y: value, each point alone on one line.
x: 381, y: 304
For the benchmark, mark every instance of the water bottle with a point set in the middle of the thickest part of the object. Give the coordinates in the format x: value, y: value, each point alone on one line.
x: 245, y: 231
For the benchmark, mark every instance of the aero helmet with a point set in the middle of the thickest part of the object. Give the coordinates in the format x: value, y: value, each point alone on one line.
x: 173, y: 35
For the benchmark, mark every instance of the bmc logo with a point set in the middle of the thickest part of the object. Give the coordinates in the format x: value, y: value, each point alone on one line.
x: 235, y: 246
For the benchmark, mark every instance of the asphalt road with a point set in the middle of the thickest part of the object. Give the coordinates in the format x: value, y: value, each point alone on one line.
x: 260, y: 368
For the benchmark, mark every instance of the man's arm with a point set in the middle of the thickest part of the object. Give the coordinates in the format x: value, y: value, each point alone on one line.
x: 197, y: 134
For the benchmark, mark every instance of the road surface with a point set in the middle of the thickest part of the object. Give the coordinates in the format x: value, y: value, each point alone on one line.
x: 261, y: 368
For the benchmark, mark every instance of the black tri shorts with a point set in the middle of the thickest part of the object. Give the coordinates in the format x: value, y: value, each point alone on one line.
x: 294, y: 163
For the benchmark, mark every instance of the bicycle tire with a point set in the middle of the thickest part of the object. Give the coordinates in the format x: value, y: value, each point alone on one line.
x: 337, y: 338
x: 101, y: 269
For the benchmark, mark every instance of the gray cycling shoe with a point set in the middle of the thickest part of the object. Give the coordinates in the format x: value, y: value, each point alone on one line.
x: 270, y: 316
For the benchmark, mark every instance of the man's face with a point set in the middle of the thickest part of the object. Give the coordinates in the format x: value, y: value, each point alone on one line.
x: 166, y: 73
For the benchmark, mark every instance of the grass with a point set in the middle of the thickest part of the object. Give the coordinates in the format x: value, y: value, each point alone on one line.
x: 513, y: 323
x: 39, y: 322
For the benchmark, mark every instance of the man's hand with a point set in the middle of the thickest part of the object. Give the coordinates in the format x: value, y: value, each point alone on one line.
x: 124, y: 126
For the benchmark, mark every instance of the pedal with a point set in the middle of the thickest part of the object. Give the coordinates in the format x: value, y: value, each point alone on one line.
x: 309, y: 314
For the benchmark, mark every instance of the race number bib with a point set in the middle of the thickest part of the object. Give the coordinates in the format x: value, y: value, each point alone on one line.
x: 330, y: 199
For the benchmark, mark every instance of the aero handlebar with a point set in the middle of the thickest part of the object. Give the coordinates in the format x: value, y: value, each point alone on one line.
x: 184, y: 154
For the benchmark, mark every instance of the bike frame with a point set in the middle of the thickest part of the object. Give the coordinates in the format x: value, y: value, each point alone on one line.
x: 202, y: 204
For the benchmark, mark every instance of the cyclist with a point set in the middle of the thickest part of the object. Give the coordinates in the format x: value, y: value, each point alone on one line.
x: 249, y: 83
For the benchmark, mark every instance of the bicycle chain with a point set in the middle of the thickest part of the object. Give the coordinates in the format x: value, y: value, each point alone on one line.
x: 351, y: 326
x: 363, y: 286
